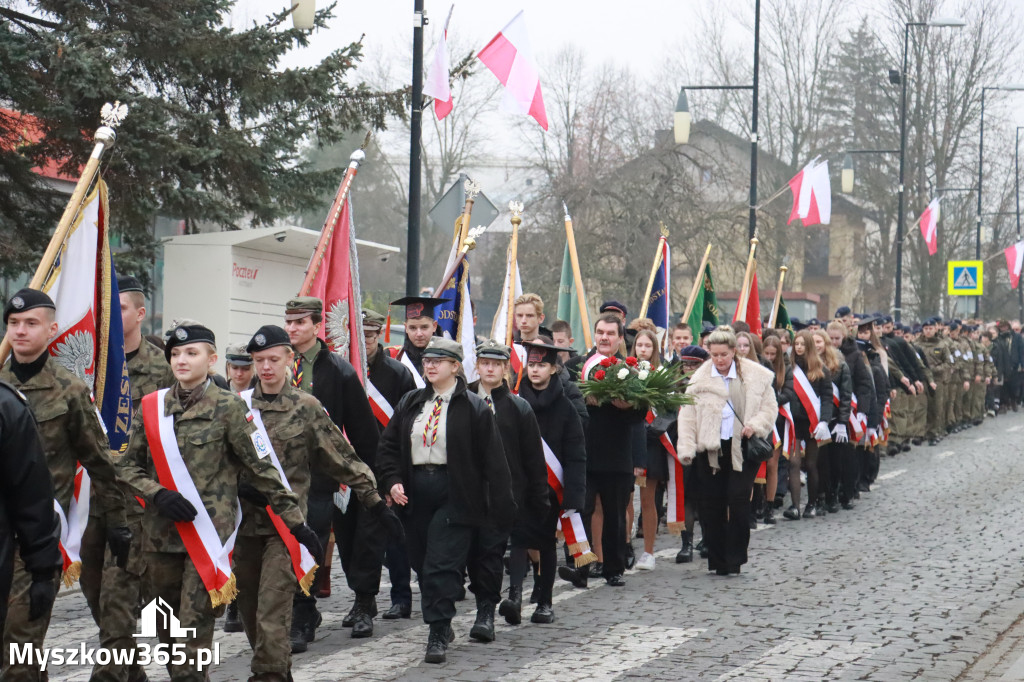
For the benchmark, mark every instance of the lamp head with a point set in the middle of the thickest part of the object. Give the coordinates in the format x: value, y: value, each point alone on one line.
x: 681, y: 122
x: 303, y: 14
x: 847, y: 177
x: 947, y: 22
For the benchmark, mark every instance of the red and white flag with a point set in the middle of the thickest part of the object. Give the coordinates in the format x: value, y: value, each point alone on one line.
x: 812, y: 195
x: 930, y: 227
x: 752, y: 315
x: 1014, y: 259
x: 509, y: 57
x: 438, y: 83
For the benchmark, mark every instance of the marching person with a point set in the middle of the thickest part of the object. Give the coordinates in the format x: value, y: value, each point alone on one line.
x: 692, y: 357
x: 868, y: 344
x: 238, y: 368
x: 420, y: 327
x: 302, y: 438
x: 441, y: 460
x: 941, y: 365
x: 846, y: 462
x: 656, y: 462
x: 148, y: 370
x: 188, y: 446
x: 733, y: 399
x: 521, y: 443
x: 335, y: 383
x: 71, y: 433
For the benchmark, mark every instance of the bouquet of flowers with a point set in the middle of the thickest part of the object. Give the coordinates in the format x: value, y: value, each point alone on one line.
x: 633, y: 381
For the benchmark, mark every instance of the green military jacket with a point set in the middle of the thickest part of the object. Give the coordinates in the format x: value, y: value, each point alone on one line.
x: 148, y: 371
x: 924, y: 358
x: 71, y: 432
x: 963, y: 367
x: 939, y: 359
x: 990, y: 362
x: 215, y: 437
x: 304, y: 437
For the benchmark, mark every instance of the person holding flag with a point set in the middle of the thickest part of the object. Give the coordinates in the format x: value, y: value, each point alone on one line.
x: 268, y: 560
x: 73, y: 435
x: 148, y: 370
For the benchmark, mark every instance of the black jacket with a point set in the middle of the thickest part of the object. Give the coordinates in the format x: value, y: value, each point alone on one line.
x: 26, y: 496
x: 905, y: 357
x: 844, y: 382
x: 880, y: 375
x: 391, y: 378
x: 1008, y: 353
x: 479, y: 483
x: 336, y: 385
x: 562, y: 429
x: 860, y: 375
x: 822, y: 388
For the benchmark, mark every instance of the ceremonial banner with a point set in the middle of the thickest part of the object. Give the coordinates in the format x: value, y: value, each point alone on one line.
x: 752, y: 315
x: 930, y: 226
x: 659, y: 308
x: 1014, y: 259
x: 569, y: 304
x: 782, y: 320
x: 437, y: 84
x: 812, y: 195
x: 705, y: 309
x: 455, y: 316
x: 508, y: 56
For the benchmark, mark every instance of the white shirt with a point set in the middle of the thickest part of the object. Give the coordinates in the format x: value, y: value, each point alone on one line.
x: 728, y: 416
x: 436, y: 452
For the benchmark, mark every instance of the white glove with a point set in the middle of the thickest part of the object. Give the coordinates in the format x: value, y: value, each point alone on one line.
x: 567, y: 513
x: 862, y: 418
x: 839, y: 433
x: 342, y: 497
x: 871, y: 433
x: 821, y: 431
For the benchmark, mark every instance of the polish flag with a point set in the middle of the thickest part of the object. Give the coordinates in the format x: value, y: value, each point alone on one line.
x: 437, y: 84
x: 752, y: 315
x: 1014, y: 258
x: 500, y: 325
x: 812, y: 195
x: 508, y: 56
x: 930, y: 227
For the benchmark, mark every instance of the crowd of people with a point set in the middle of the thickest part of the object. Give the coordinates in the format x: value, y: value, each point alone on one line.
x: 234, y: 489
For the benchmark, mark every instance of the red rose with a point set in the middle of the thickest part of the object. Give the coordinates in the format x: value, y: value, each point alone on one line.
x: 631, y: 361
x: 615, y: 360
x: 608, y: 362
x: 599, y: 374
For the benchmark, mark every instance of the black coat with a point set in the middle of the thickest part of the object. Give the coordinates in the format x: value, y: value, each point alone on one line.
x: 562, y: 430
x: 479, y: 483
x: 844, y: 382
x: 860, y: 375
x: 26, y: 496
x: 336, y: 385
x: 1008, y: 354
x: 880, y: 375
x: 822, y: 388
x: 905, y: 357
x: 391, y: 377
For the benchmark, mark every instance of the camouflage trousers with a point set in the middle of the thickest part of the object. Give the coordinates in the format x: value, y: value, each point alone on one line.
x: 978, y: 400
x: 936, y: 419
x: 919, y: 414
x: 900, y: 427
x: 172, y: 577
x: 266, y: 587
x: 18, y: 629
x: 113, y: 596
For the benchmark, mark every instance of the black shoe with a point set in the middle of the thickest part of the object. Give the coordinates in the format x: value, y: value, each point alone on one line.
x: 630, y: 556
x: 511, y: 608
x: 917, y: 441
x: 577, y: 576
x: 543, y: 614
x: 441, y: 635
x: 615, y: 580
x: 231, y: 621
x: 310, y: 631
x: 305, y: 620
x: 398, y: 611
x: 769, y: 515
x: 793, y: 513
x: 362, y: 615
x: 833, y: 508
x: 483, y: 628
x: 810, y: 511
x: 892, y: 450
x: 685, y: 554
x: 597, y: 568
x: 721, y: 571
x: 933, y: 442
x: 349, y: 618
x: 863, y: 487
x: 702, y: 549
x: 906, y: 447
x: 848, y: 506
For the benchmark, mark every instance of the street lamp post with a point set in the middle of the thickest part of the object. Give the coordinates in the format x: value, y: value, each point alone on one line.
x: 1016, y: 194
x: 900, y: 219
x: 849, y: 169
x: 412, y: 249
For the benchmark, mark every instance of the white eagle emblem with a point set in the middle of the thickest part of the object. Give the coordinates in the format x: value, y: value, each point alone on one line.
x: 18, y: 302
x: 75, y: 354
x: 181, y: 334
x: 260, y: 340
x: 337, y: 327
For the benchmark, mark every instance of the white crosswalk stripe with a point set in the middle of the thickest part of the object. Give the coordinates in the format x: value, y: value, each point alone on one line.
x: 824, y: 656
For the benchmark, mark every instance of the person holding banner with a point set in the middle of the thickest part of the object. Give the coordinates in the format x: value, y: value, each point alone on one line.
x: 72, y: 433
x: 148, y: 370
x: 188, y: 447
x: 268, y: 560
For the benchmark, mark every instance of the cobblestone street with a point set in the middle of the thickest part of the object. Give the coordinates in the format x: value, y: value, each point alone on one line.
x: 923, y: 580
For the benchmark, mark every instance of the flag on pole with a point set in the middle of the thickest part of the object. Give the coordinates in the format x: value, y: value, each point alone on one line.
x: 782, y: 320
x: 90, y: 344
x: 569, y: 302
x: 705, y: 309
x: 1014, y: 258
x: 659, y: 308
x: 437, y: 84
x: 930, y: 226
x: 752, y: 315
x: 455, y: 316
x: 812, y: 195
x: 499, y: 329
x: 509, y: 57
x: 337, y: 284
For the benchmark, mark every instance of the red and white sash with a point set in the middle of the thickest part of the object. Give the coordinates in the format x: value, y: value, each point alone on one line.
x: 403, y: 358
x: 72, y: 526
x: 211, y: 558
x: 591, y: 362
x: 302, y: 561
x: 808, y: 398
x: 571, y: 524
x: 382, y: 409
x: 858, y: 425
x: 674, y: 486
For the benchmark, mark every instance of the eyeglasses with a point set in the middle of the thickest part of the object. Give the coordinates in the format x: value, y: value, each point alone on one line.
x: 433, y: 362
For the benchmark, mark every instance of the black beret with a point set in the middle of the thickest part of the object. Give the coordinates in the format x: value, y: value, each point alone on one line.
x: 693, y: 353
x: 127, y: 283
x: 268, y: 336
x: 187, y: 334
x: 843, y: 311
x: 27, y: 299
x: 614, y: 306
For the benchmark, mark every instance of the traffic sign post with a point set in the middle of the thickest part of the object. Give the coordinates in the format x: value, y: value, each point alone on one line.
x: 965, y: 277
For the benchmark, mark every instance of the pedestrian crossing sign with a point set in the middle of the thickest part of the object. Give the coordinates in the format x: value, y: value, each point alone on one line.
x: 965, y: 277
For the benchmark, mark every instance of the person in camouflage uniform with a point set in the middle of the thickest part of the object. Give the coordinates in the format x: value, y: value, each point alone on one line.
x: 919, y: 403
x: 978, y: 388
x: 940, y: 364
x: 963, y: 375
x: 71, y: 433
x: 217, y: 440
x: 303, y: 436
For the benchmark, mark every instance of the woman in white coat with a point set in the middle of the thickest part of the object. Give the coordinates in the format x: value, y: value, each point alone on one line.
x: 733, y: 399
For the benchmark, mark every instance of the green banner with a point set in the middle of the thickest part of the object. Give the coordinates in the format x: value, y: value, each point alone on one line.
x: 705, y: 309
x: 568, y: 302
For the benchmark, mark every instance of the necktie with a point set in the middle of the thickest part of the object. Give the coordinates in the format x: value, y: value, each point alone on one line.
x: 430, y: 430
x: 297, y: 371
x: 490, y: 403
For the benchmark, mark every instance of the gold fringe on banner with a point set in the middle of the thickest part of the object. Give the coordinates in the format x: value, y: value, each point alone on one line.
x: 675, y: 528
x: 307, y: 580
x: 226, y: 594
x: 72, y: 574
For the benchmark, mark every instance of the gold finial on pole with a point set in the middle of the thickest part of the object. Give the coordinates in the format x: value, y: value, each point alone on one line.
x: 516, y: 207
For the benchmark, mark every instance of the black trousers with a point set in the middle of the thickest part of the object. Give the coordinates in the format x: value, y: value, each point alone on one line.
x: 319, y: 513
x: 361, y: 541
x: 844, y: 470
x: 724, y: 508
x: 486, y: 565
x: 614, y: 489
x: 396, y: 558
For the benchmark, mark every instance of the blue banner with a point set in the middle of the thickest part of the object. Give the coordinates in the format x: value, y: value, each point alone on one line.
x: 115, y: 399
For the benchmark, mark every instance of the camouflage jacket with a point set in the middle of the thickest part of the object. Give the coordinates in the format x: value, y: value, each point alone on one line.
x: 304, y: 437
x: 990, y: 361
x: 148, y: 371
x: 72, y: 432
x: 937, y: 350
x: 215, y: 437
x: 963, y: 364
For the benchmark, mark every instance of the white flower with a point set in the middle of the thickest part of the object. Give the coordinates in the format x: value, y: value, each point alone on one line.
x: 644, y: 364
x: 623, y: 373
x: 643, y: 374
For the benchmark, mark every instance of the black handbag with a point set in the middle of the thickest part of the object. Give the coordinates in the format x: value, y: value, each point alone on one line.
x: 755, y: 448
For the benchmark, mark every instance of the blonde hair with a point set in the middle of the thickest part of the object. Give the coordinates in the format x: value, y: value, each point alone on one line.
x: 810, y: 361
x: 533, y: 299
x: 779, y: 363
x: 756, y: 348
x: 723, y: 334
x: 641, y: 323
x: 831, y: 355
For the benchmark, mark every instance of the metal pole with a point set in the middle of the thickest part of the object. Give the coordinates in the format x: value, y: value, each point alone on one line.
x: 981, y: 167
x: 752, y: 231
x: 412, y: 263
x: 900, y: 220
x: 1016, y: 182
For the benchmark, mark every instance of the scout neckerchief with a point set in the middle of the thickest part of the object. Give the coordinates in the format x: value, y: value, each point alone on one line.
x: 571, y: 524
x: 202, y: 542
x: 302, y: 561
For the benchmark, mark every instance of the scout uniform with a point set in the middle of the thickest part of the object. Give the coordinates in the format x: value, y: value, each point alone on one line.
x: 214, y: 441
x: 71, y: 433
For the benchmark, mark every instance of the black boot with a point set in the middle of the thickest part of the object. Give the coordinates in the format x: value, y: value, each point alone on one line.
x: 362, y: 615
x: 305, y: 620
x: 630, y: 556
x: 511, y: 609
x: 543, y: 614
x: 483, y: 628
x: 536, y: 582
x: 577, y: 576
x: 702, y: 549
x: 437, y: 642
x: 231, y: 621
x: 399, y: 610
x: 685, y: 554
x: 350, y: 617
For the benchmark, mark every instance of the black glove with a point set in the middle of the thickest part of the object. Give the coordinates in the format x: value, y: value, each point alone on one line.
x: 174, y: 506
x: 305, y: 535
x: 247, y: 492
x: 119, y: 539
x: 389, y: 519
x: 41, y: 594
